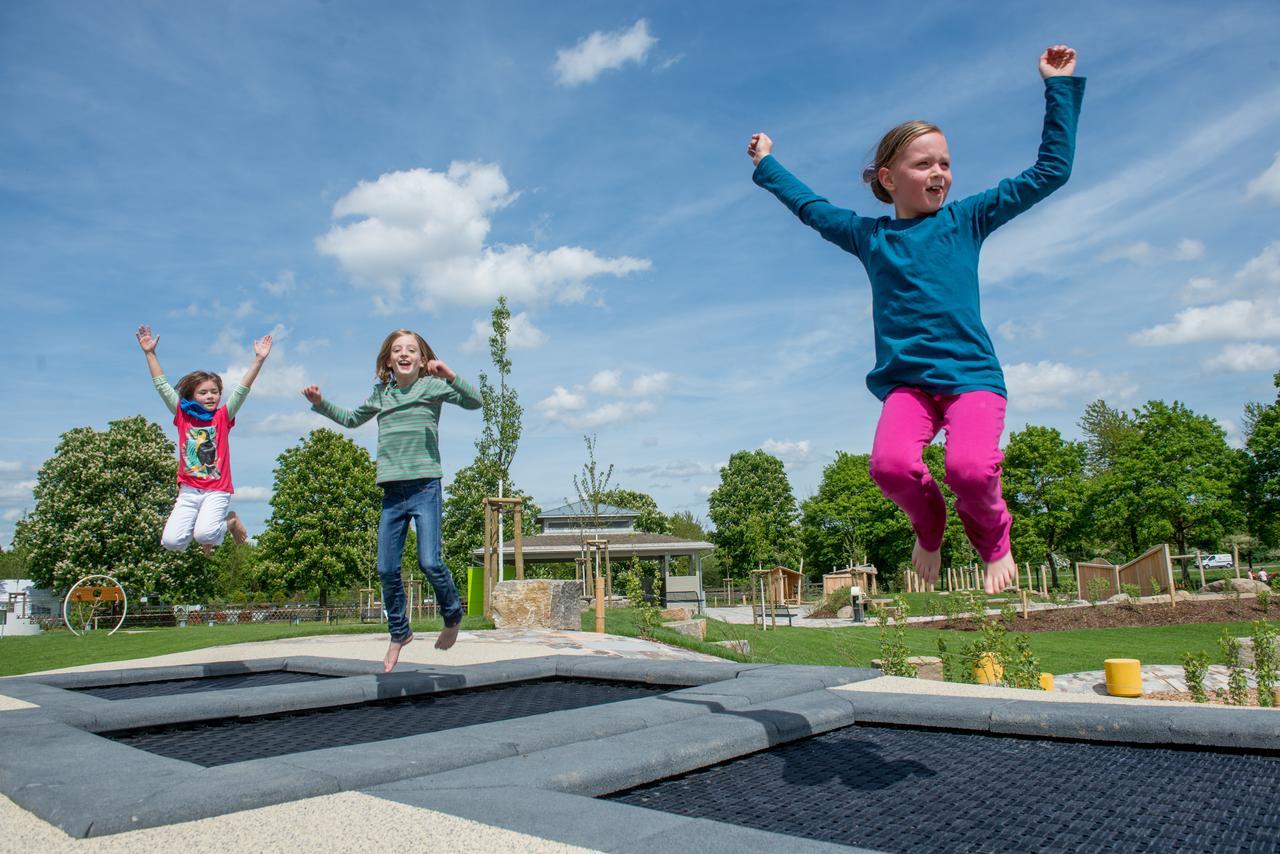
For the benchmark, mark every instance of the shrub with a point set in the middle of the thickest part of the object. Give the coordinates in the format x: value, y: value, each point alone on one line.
x: 1264, y: 661
x: 1194, y: 668
x: 648, y: 615
x: 1156, y: 587
x: 1022, y: 669
x: 1237, y: 690
x: 1098, y: 587
x: 955, y: 667
x: 893, y: 642
x: 1264, y: 600
x: 1133, y: 591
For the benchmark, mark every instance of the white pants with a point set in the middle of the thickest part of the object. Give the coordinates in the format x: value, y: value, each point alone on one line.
x: 199, y: 514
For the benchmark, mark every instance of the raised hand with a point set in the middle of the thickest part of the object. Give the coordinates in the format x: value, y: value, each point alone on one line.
x: 1058, y: 61
x: 312, y: 393
x: 759, y: 147
x: 437, y: 368
x: 262, y: 347
x: 146, y: 340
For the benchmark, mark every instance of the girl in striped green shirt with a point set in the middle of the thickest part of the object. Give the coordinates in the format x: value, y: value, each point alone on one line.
x: 412, y: 387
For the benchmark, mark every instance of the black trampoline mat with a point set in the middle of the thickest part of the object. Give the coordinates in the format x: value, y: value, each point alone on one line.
x: 167, y: 687
x: 228, y: 740
x: 896, y: 789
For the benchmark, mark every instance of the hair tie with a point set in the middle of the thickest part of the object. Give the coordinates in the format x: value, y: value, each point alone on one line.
x: 869, y: 173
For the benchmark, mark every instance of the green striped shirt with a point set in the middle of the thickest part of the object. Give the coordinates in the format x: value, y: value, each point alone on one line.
x: 408, y: 423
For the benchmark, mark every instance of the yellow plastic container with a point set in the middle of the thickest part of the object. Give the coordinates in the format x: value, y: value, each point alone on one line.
x: 1124, y: 677
x: 988, y: 671
x: 1046, y: 681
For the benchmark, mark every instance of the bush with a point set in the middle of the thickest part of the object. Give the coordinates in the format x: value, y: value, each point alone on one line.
x: 1264, y: 600
x: 1237, y: 690
x: 1264, y: 661
x: 1194, y: 668
x: 1098, y: 587
x: 893, y: 643
x: 1133, y: 591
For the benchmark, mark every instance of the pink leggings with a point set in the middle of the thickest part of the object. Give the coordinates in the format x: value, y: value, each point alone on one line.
x: 973, y: 422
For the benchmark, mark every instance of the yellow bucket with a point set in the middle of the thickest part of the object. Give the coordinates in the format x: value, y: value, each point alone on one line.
x: 1046, y: 681
x: 988, y: 671
x: 1124, y: 677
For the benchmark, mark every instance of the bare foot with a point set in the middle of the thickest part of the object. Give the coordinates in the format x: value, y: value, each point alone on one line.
x: 999, y: 573
x: 207, y: 548
x: 236, y: 527
x: 447, y: 637
x: 927, y: 564
x: 393, y: 654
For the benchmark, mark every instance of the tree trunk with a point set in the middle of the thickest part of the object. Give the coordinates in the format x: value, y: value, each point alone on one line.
x: 1053, y: 569
x: 324, y: 597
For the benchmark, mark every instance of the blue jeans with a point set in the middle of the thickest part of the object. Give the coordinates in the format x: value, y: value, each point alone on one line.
x: 419, y: 501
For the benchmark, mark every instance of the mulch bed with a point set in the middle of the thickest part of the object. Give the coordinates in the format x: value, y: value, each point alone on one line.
x: 1214, y: 698
x: 1115, y: 616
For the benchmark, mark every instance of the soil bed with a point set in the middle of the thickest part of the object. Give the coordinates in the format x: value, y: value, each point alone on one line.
x: 1116, y: 616
x: 1214, y: 699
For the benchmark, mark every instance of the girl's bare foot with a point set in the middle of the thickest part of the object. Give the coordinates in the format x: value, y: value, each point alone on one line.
x: 207, y: 548
x: 999, y: 573
x: 927, y: 564
x: 237, y: 529
x: 447, y: 637
x: 393, y: 654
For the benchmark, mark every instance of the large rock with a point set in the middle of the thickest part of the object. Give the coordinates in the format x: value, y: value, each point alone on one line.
x: 692, y: 628
x: 743, y: 646
x: 537, y: 604
x: 1246, y: 650
x: 676, y: 614
x: 1237, y: 585
x: 927, y: 667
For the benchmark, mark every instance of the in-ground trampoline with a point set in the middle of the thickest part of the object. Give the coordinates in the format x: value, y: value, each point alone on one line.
x: 626, y: 755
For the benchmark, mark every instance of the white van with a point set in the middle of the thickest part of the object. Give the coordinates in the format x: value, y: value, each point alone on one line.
x: 1219, y: 561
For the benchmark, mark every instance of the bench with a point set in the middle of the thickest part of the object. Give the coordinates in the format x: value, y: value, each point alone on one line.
x: 769, y: 612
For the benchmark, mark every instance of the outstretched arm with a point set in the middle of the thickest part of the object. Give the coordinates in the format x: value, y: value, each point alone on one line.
x: 462, y: 392
x: 148, y: 343
x: 261, y: 349
x: 347, y: 418
x: 1063, y: 94
x: 835, y: 224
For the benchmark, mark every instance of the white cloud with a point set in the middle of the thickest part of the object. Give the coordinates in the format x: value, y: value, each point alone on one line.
x: 1238, y: 358
x: 791, y: 453
x: 244, y: 309
x: 1267, y: 185
x: 560, y: 402
x: 429, y: 229
x: 1012, y: 331
x: 277, y: 378
x: 650, y: 384
x: 606, y: 382
x: 1049, y: 385
x: 253, y: 494
x: 1143, y: 252
x: 1239, y: 319
x: 311, y: 344
x: 677, y: 469
x: 1200, y: 288
x: 20, y: 489
x: 521, y: 334
x: 13, y: 514
x: 283, y: 284
x: 7, y: 466
x: 290, y: 423
x: 600, y: 52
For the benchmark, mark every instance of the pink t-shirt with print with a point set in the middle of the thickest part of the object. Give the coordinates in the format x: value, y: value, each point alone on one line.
x: 204, y: 452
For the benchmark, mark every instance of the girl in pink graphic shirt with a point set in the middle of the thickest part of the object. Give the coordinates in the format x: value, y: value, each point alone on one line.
x: 204, y: 453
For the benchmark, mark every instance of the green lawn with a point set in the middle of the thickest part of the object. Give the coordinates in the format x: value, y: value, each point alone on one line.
x: 1059, y: 652
x: 51, y: 650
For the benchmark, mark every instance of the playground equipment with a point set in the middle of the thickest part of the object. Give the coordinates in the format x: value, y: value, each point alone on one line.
x: 773, y: 592
x: 1124, y: 677
x: 1151, y: 572
x: 87, y: 603
x: 493, y: 508
x: 863, y: 575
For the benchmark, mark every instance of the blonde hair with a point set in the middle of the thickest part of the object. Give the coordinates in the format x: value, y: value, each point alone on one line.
x: 384, y: 372
x: 187, y: 385
x: 891, y: 146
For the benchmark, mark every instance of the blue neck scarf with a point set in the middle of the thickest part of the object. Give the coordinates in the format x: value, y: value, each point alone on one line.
x: 195, y: 410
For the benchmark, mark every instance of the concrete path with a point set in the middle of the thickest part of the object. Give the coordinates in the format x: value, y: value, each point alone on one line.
x: 1155, y: 677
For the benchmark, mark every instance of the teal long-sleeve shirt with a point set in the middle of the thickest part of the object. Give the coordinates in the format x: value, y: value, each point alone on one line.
x: 924, y: 271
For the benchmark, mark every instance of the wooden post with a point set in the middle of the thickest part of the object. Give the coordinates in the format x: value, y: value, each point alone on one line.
x: 1235, y: 557
x: 1168, y: 569
x: 1026, y: 608
x: 488, y: 561
x: 1200, y: 565
x: 517, y: 542
x: 608, y: 578
x: 599, y: 597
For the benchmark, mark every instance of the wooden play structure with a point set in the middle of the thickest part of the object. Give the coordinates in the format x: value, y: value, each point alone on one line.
x: 1151, y: 572
x: 773, y: 593
x: 493, y: 507
x: 92, y: 600
x: 862, y: 576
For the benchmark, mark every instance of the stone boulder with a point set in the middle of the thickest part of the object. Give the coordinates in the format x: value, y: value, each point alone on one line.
x: 676, y: 614
x: 927, y: 667
x: 1246, y: 650
x: 692, y: 628
x: 541, y: 603
x: 742, y: 646
x: 845, y: 613
x: 1237, y: 585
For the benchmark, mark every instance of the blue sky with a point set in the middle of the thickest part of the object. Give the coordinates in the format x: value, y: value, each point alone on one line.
x: 332, y: 171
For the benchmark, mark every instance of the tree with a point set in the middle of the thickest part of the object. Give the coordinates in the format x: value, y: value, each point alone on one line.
x: 592, y: 485
x: 849, y: 520
x: 323, y: 530
x: 1260, y: 471
x: 651, y: 520
x: 102, y: 500
x: 490, y: 472
x: 1106, y: 432
x: 1047, y: 493
x: 753, y: 485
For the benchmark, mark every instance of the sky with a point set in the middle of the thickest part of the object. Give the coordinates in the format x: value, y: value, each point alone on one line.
x: 332, y: 171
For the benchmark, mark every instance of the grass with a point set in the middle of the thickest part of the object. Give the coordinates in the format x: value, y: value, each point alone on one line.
x: 1059, y: 652
x: 52, y: 650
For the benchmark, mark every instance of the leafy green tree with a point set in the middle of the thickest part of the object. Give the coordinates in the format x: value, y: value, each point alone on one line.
x: 1260, y: 475
x: 1171, y: 480
x: 754, y: 485
x: 593, y: 483
x: 490, y: 472
x: 1107, y: 432
x: 848, y: 518
x: 13, y: 563
x: 651, y: 519
x: 1047, y: 493
x: 323, y: 530
x: 102, y: 500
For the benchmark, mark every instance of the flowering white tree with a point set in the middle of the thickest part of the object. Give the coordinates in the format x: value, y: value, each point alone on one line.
x: 101, y: 502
